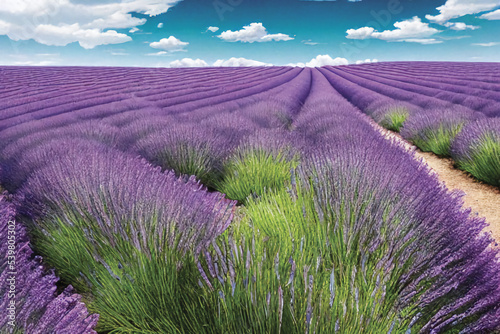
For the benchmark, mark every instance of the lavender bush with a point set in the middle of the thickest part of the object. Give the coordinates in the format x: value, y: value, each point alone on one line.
x: 391, y: 117
x: 434, y: 130
x: 38, y: 307
x: 262, y: 162
x: 186, y: 149
x: 477, y: 150
x: 125, y: 235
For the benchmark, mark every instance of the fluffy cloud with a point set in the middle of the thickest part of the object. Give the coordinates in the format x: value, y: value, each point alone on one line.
x: 212, y: 29
x: 412, y: 30
x: 457, y: 8
x: 160, y: 25
x: 326, y: 60
x: 88, y: 38
x: 60, y: 22
x: 322, y: 60
x: 367, y: 61
x: 460, y: 26
x: 495, y: 15
x: 486, y: 44
x: 255, y: 32
x: 4, y: 27
x: 188, y: 62
x: 237, y: 62
x: 170, y: 44
x: 232, y: 62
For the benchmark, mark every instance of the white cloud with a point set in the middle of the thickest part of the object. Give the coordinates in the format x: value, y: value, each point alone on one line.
x: 309, y: 42
x: 457, y: 8
x: 170, y: 44
x: 361, y: 33
x: 326, y: 60
x: 87, y: 38
x: 119, y: 54
x: 160, y: 25
x: 34, y: 63
x: 212, y: 29
x: 60, y: 22
x: 412, y: 30
x: 460, y: 26
x: 495, y: 15
x: 116, y: 20
x: 367, y: 61
x: 296, y: 64
x: 4, y: 27
x: 188, y: 62
x: 160, y: 53
x: 490, y: 44
x: 134, y: 29
x: 322, y: 60
x: 425, y: 41
x: 255, y: 32
x: 237, y: 62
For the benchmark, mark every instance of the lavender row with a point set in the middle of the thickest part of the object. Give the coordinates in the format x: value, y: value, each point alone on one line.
x: 469, y: 98
x: 28, y: 298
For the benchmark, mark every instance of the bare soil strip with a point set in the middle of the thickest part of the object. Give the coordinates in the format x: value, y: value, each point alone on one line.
x: 482, y: 198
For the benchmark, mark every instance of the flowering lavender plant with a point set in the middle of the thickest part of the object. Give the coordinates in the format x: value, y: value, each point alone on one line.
x: 434, y: 130
x: 477, y: 150
x: 125, y: 235
x: 28, y: 297
x: 262, y: 162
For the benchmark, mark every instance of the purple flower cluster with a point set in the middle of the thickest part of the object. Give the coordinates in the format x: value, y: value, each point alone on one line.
x: 28, y: 297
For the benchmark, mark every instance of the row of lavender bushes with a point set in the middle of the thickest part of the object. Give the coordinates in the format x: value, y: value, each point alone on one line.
x: 30, y: 301
x: 343, y: 239
x: 470, y: 138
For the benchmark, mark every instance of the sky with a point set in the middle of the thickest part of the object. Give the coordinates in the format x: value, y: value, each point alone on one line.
x: 183, y: 33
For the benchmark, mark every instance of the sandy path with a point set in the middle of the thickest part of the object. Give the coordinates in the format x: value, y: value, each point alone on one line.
x: 481, y: 198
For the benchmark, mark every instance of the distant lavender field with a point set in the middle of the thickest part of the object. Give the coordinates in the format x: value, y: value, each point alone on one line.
x: 259, y: 200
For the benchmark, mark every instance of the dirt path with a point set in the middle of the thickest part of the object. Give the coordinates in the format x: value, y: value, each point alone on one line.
x: 482, y: 198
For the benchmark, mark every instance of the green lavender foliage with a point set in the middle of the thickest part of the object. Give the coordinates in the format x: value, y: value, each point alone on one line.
x: 437, y: 140
x: 477, y: 150
x: 132, y: 292
x: 298, y: 270
x: 434, y: 130
x: 485, y: 162
x: 393, y: 119
x: 255, y: 171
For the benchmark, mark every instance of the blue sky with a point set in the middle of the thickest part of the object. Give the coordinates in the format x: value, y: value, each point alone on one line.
x: 174, y: 33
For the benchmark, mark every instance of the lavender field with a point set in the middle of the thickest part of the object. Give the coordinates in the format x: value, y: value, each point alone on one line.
x: 246, y: 200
